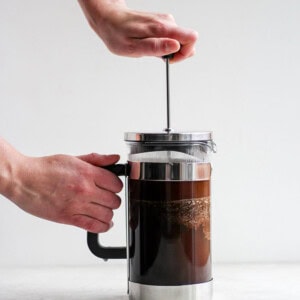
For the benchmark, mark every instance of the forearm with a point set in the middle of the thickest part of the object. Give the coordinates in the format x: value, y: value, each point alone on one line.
x: 10, y: 160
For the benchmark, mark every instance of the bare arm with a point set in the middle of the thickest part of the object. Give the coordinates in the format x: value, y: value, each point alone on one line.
x: 131, y: 33
x: 61, y: 188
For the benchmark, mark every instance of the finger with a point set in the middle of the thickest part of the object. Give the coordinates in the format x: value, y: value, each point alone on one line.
x: 104, y: 179
x: 96, y: 211
x: 100, y: 160
x: 184, y: 36
x: 172, y: 39
x: 187, y: 39
x: 183, y: 54
x: 107, y: 180
x: 107, y: 199
x: 89, y: 223
x: 154, y: 47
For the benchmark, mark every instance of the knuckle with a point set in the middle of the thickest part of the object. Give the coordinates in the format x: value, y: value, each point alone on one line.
x: 81, y: 221
x: 131, y: 49
x: 91, y: 225
x: 81, y: 188
x: 155, y: 46
x: 122, y: 47
x: 87, y: 224
x: 158, y: 28
x: 168, y: 17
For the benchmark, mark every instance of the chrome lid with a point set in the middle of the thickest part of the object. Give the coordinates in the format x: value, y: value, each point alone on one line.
x: 168, y: 137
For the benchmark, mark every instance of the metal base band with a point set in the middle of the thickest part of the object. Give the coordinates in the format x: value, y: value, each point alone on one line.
x: 201, y: 291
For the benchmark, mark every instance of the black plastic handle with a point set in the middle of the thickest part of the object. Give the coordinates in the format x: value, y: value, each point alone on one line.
x: 104, y: 252
x: 92, y: 238
x: 118, y: 169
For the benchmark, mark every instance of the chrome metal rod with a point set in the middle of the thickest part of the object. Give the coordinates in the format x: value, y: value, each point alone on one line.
x: 168, y: 129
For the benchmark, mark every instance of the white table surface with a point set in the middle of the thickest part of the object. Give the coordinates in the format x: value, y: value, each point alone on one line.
x: 108, y: 282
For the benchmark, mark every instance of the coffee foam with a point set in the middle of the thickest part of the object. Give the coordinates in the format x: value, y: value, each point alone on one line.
x: 191, y: 213
x: 168, y: 157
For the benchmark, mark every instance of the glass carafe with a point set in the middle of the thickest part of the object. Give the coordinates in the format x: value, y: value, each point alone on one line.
x: 168, y: 216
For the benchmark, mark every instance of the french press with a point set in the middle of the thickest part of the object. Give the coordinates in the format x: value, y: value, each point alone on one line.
x: 168, y: 216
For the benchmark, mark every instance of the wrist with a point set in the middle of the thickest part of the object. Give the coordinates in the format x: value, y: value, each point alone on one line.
x: 97, y: 11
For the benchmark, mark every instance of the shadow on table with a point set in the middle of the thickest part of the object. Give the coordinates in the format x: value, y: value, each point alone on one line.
x: 124, y: 297
x: 103, y: 297
x: 88, y: 297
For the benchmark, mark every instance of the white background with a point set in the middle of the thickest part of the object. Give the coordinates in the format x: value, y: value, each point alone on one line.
x: 61, y: 91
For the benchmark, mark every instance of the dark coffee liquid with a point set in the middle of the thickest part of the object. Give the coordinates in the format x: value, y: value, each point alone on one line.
x: 169, y: 232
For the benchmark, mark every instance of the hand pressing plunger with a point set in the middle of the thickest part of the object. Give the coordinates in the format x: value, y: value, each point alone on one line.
x: 133, y: 33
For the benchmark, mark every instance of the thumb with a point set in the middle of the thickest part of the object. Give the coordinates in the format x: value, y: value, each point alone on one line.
x: 100, y: 160
x: 156, y: 46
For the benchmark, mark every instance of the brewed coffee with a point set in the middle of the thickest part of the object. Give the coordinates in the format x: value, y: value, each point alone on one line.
x: 169, y: 232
